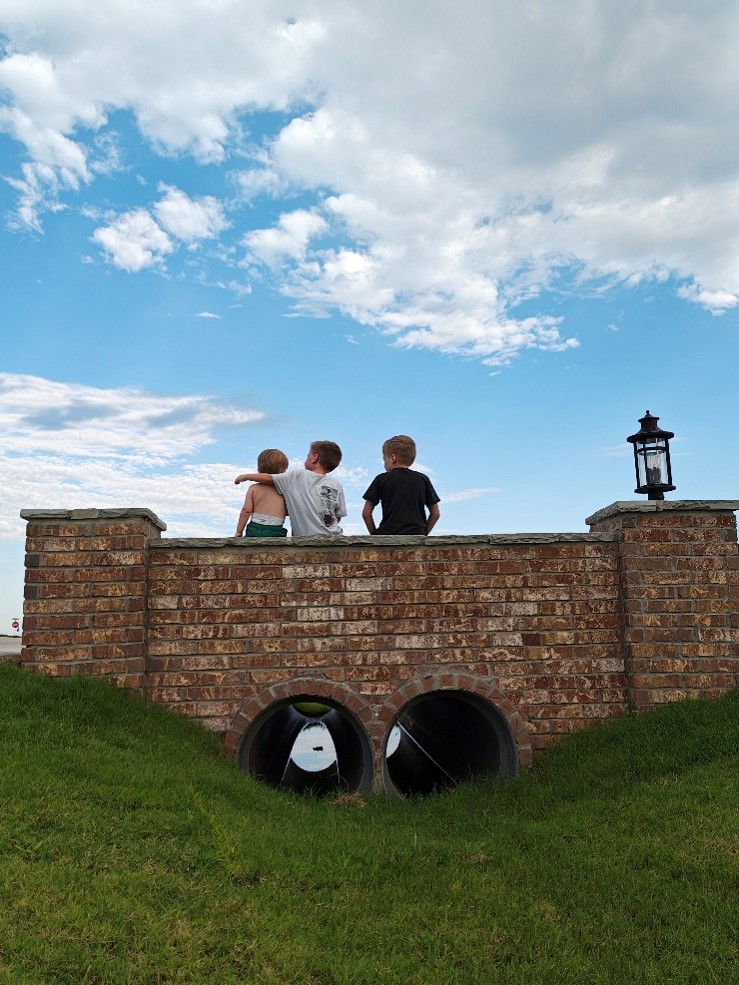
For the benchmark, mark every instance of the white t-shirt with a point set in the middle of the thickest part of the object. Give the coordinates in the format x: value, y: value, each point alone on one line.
x: 315, y: 502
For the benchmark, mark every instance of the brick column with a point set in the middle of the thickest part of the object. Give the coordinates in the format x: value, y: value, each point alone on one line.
x: 85, y: 607
x: 679, y: 586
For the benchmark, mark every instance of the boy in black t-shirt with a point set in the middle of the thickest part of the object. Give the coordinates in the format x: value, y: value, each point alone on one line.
x: 404, y: 495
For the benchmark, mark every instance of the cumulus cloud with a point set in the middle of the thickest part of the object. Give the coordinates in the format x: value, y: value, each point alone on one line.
x: 134, y: 241
x: 287, y: 240
x: 187, y: 219
x: 448, y: 168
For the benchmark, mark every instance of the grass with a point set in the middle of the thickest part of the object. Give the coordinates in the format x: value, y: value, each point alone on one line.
x: 131, y: 851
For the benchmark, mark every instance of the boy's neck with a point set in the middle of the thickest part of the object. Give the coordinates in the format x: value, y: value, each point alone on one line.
x: 318, y: 469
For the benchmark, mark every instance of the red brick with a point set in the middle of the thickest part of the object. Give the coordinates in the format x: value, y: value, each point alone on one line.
x: 542, y: 622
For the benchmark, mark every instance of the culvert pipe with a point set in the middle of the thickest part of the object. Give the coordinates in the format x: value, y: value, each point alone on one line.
x: 267, y: 750
x: 444, y: 738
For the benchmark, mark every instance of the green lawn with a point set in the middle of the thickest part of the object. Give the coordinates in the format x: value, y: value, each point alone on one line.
x: 132, y: 851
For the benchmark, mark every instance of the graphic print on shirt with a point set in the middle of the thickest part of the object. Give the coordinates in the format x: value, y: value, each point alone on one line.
x: 329, y: 506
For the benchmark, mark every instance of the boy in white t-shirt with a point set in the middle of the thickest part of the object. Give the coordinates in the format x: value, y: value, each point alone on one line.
x: 315, y: 500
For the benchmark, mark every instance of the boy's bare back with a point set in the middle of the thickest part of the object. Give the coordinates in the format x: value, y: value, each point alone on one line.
x: 266, y: 499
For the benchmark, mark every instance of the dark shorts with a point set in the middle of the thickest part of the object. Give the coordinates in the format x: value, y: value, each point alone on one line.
x: 264, y: 530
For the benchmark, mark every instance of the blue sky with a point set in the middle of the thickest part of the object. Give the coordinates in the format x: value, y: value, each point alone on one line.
x: 507, y: 229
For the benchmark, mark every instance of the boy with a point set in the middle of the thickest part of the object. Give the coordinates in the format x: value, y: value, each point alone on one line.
x: 315, y: 500
x: 264, y: 508
x: 405, y: 495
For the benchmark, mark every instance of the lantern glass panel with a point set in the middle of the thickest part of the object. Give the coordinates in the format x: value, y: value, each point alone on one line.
x: 652, y: 462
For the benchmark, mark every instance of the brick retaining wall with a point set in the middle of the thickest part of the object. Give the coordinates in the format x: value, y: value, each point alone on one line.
x: 557, y: 631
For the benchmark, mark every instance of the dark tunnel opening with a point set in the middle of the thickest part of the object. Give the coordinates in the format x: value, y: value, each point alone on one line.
x: 444, y: 738
x: 310, y: 746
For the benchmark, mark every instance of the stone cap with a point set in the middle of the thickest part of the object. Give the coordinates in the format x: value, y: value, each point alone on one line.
x: 664, y: 505
x: 124, y: 513
x: 418, y: 540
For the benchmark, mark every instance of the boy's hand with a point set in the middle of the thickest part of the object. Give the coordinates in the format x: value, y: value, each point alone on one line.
x: 238, y: 479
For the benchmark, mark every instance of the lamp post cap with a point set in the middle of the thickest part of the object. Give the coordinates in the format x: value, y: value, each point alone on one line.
x: 649, y: 430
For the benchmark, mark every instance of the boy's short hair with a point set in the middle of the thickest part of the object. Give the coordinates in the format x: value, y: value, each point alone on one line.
x: 403, y: 447
x: 272, y: 461
x: 329, y: 454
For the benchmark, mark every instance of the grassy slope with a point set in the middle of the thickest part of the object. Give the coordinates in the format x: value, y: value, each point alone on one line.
x: 130, y: 851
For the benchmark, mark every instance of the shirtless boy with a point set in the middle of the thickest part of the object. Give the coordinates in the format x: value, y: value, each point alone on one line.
x: 264, y: 508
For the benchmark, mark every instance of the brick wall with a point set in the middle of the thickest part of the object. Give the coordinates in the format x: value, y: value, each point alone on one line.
x: 538, y: 619
x: 680, y: 587
x: 85, y: 592
x: 555, y: 631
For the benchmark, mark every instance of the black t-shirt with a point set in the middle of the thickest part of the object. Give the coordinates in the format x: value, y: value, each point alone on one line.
x: 403, y: 494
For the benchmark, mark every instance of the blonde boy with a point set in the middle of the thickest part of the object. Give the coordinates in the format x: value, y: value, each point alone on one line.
x: 264, y: 508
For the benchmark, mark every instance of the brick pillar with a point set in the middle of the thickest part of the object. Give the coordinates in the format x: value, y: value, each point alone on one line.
x: 85, y: 607
x: 679, y: 585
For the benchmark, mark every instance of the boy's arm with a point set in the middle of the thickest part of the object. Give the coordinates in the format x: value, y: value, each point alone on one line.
x: 434, y: 514
x: 367, y: 515
x: 264, y: 477
x: 246, y: 511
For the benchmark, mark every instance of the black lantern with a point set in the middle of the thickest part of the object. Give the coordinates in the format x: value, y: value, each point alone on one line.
x: 652, y: 458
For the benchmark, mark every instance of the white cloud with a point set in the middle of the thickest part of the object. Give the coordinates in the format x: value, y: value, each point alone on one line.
x: 715, y: 301
x: 462, y: 495
x: 134, y: 241
x: 193, y: 500
x: 37, y: 190
x: 206, y: 314
x: 39, y: 415
x: 288, y: 240
x: 260, y: 181
x: 449, y: 166
x: 67, y: 445
x: 189, y: 219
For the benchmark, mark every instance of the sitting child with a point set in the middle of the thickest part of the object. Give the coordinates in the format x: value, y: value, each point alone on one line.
x: 405, y: 495
x: 315, y: 498
x: 264, y: 508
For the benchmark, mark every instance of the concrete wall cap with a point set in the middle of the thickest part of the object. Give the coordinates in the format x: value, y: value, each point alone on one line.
x: 380, y: 543
x: 664, y: 505
x: 124, y: 513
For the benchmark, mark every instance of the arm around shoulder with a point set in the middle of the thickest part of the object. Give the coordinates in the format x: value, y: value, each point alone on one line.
x: 264, y: 477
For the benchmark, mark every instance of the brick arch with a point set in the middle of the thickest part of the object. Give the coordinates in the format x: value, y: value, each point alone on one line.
x: 449, y: 681
x: 285, y: 691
